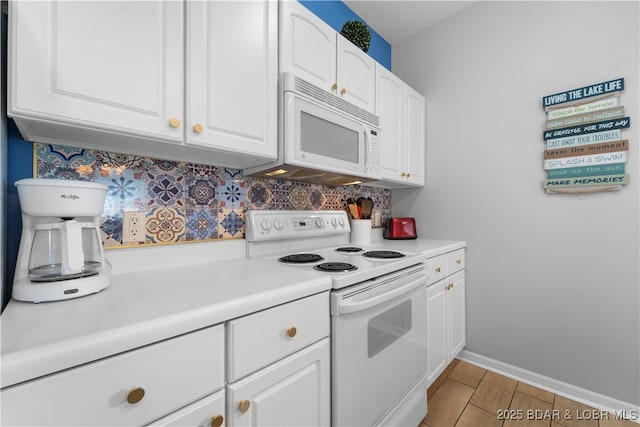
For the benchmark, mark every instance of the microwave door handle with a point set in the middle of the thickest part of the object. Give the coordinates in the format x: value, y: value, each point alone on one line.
x: 352, y: 307
x: 367, y: 147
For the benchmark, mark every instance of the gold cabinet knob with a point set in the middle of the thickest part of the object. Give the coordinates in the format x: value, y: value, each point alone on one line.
x: 335, y: 86
x: 217, y: 420
x: 408, y: 175
x: 135, y: 395
x: 343, y: 91
x: 174, y: 123
x: 458, y: 261
x: 244, y: 405
x: 437, y: 269
x: 403, y: 174
x: 197, y: 128
x: 292, y: 331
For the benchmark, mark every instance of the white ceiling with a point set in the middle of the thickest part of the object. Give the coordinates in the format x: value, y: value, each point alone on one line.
x: 395, y: 20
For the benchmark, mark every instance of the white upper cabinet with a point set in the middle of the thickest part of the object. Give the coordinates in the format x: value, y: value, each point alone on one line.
x: 307, y: 45
x: 108, y: 65
x: 115, y: 75
x: 414, y: 137
x: 402, y: 137
x: 355, y: 75
x: 233, y: 75
x: 315, y: 52
x: 390, y: 109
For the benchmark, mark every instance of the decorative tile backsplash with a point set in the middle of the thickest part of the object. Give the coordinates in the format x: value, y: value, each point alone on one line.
x: 186, y: 201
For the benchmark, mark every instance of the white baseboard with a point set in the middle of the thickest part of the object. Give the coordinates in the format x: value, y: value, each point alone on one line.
x: 581, y: 395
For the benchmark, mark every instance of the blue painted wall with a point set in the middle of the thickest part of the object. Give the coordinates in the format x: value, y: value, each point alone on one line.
x: 20, y: 152
x: 336, y: 13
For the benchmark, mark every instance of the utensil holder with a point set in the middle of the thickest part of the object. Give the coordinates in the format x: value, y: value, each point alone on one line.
x: 361, y: 231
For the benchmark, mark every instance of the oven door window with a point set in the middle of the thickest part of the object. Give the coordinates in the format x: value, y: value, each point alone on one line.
x: 386, y: 328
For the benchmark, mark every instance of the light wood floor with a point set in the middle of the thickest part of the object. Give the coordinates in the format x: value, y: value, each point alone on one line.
x: 468, y: 396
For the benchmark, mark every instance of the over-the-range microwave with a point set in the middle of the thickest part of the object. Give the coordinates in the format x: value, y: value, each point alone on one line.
x: 322, y: 138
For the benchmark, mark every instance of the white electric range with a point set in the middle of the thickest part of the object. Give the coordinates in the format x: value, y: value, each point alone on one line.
x: 378, y: 312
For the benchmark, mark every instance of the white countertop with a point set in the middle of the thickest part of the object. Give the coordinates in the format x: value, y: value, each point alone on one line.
x: 429, y: 247
x: 152, y: 304
x: 140, y: 308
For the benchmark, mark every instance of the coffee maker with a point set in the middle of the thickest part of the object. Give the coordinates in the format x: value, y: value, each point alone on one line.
x: 60, y: 255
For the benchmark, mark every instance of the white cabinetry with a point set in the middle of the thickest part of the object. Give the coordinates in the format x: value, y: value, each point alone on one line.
x: 291, y: 392
x: 109, y: 66
x: 402, y: 138
x: 315, y: 52
x: 278, y: 365
x: 132, y: 388
x: 232, y: 82
x: 445, y: 311
x: 110, y: 75
x: 208, y: 412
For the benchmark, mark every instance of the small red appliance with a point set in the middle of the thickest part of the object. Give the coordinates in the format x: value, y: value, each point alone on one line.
x: 400, y: 228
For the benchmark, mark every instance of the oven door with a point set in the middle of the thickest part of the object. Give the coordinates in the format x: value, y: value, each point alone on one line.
x: 379, y: 345
x: 316, y: 136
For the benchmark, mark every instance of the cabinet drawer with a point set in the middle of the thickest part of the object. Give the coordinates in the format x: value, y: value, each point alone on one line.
x: 256, y: 340
x: 437, y: 268
x: 455, y: 261
x: 205, y: 412
x: 172, y: 374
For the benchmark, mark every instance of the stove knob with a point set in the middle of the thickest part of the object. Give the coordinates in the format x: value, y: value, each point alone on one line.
x: 334, y: 222
x: 265, y: 224
x: 277, y: 224
x: 319, y: 223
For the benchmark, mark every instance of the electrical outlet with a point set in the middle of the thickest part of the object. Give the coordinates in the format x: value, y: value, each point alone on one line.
x: 133, y: 226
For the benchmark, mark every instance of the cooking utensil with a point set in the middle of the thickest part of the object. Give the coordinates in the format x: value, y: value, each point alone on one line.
x: 353, y: 208
x: 367, y: 207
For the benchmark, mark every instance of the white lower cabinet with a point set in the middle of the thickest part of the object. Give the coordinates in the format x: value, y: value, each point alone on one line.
x: 446, y: 335
x: 132, y: 388
x: 207, y: 412
x: 278, y: 363
x: 291, y: 392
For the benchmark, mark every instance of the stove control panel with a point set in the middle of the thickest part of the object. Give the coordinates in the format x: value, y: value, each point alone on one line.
x: 272, y: 225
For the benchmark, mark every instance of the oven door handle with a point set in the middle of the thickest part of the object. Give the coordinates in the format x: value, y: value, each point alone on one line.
x: 345, y: 307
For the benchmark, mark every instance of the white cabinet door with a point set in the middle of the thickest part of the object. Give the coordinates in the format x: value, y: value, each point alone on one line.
x: 356, y: 75
x: 446, y: 315
x: 115, y: 65
x: 437, y: 330
x: 402, y: 141
x: 307, y: 46
x: 206, y: 412
x: 291, y: 392
x: 315, y: 52
x: 414, y: 137
x: 456, y: 308
x: 232, y: 76
x: 390, y: 107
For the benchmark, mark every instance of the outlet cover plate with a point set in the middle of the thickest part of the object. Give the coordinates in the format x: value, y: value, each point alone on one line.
x: 133, y: 226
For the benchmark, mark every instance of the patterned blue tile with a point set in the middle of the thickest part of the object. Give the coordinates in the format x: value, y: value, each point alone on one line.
x: 201, y: 192
x: 257, y: 194
x: 201, y: 224
x: 125, y: 192
x: 164, y: 190
x: 231, y: 194
x: 230, y: 223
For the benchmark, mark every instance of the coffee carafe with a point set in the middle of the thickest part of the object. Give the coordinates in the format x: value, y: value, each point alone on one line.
x: 60, y: 255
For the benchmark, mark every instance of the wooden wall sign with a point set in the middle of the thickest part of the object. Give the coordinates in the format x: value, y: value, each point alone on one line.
x: 584, y: 150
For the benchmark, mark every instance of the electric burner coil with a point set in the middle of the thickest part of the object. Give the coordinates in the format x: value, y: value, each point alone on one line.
x: 300, y: 258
